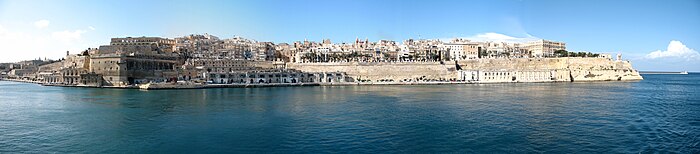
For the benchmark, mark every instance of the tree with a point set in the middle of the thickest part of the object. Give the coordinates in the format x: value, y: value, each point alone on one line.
x: 387, y: 56
x: 592, y: 55
x: 482, y: 53
x: 561, y: 53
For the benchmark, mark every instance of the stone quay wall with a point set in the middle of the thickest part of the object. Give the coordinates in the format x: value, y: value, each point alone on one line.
x: 518, y: 70
x: 380, y: 71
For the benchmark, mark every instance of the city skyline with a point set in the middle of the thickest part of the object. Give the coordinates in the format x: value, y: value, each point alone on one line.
x: 654, y: 35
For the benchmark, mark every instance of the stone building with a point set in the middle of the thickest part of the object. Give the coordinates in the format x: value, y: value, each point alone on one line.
x: 196, y: 69
x: 543, y: 48
x: 286, y: 52
x: 71, y: 76
x: 167, y: 45
x: 265, y: 52
x: 120, y: 69
x: 460, y: 49
x: 193, y: 44
x: 112, y: 67
x: 275, y: 76
x: 27, y: 73
x: 536, y: 75
x: 129, y: 60
x: 510, y: 75
x: 228, y: 65
x: 65, y: 76
x: 468, y: 75
x: 91, y: 79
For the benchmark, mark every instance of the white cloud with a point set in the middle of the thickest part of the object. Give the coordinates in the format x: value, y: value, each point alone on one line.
x: 675, y: 49
x: 68, y: 36
x: 41, y: 24
x: 497, y: 37
x: 23, y: 42
x: 2, y: 30
x: 91, y: 28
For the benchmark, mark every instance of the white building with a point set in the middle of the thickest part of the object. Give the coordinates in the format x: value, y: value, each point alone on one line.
x: 461, y: 50
x: 543, y: 48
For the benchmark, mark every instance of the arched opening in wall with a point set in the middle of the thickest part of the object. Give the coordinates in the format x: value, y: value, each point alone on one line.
x: 261, y: 81
x: 294, y: 80
x: 251, y: 81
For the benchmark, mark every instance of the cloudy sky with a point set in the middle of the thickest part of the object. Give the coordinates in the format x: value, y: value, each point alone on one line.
x: 654, y: 35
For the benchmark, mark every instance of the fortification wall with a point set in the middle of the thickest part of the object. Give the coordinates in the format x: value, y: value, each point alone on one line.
x: 514, y: 64
x: 601, y: 69
x: 55, y: 66
x: 379, y: 71
x: 562, y: 69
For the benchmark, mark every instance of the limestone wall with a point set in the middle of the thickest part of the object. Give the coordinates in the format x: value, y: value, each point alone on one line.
x: 601, y: 69
x: 514, y: 64
x: 521, y: 70
x: 55, y: 66
x: 379, y: 71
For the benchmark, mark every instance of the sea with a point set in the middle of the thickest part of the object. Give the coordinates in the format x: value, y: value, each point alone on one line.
x: 660, y: 114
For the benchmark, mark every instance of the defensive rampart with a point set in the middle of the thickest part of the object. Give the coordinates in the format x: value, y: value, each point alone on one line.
x: 556, y: 69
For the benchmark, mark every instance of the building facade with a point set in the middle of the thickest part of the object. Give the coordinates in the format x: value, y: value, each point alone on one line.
x: 543, y: 48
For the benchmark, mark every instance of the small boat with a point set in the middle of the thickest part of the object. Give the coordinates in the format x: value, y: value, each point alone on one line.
x: 145, y: 86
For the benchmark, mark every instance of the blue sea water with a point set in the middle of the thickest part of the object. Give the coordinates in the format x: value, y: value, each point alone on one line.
x: 658, y: 114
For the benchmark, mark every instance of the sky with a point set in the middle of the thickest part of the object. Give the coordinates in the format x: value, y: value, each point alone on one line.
x: 654, y: 35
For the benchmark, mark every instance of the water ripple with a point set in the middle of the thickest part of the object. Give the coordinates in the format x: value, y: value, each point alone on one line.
x: 656, y: 115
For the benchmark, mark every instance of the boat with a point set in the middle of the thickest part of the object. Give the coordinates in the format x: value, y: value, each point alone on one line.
x: 177, y: 85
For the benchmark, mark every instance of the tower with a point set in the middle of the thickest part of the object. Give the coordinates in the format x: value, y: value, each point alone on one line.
x: 619, y: 57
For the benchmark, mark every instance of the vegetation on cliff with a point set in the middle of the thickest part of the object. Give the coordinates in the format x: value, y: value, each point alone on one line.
x: 564, y: 53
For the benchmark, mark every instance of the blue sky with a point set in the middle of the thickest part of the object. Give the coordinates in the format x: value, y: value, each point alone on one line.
x: 31, y: 29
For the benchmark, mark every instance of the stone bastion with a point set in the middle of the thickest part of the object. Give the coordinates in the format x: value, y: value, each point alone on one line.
x: 568, y: 69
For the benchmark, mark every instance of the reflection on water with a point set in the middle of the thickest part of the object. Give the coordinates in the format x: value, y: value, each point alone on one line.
x: 658, y: 114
